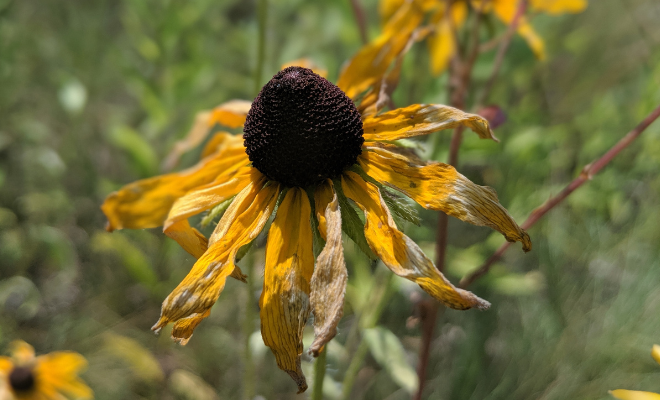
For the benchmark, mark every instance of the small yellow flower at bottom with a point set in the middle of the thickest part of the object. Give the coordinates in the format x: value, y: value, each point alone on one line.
x: 48, y: 377
x: 623, y: 394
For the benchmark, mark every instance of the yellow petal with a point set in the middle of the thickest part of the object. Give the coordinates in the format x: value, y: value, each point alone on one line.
x: 371, y: 63
x: 231, y: 114
x: 199, y: 290
x: 183, y: 329
x: 328, y: 284
x: 556, y: 7
x: 634, y: 395
x: 194, y: 138
x: 219, y: 141
x: 21, y: 352
x: 655, y: 353
x: 208, y: 196
x: 323, y: 196
x: 146, y: 203
x: 6, y: 365
x: 438, y: 186
x: 284, y: 301
x: 442, y: 45
x: 398, y: 252
x: 422, y: 119
x: 506, y: 11
x: 307, y: 63
x: 58, y: 373
x: 188, y: 237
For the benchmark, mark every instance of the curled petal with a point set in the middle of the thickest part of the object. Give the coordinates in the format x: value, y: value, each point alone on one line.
x: 634, y: 395
x: 438, y: 186
x: 655, y: 353
x: 328, y: 284
x: 284, y: 301
x: 146, y: 203
x: 307, y: 63
x: 371, y: 63
x: 398, y: 252
x: 422, y: 119
x: 183, y: 329
x: 188, y: 237
x: 323, y: 196
x: 231, y: 114
x: 200, y: 289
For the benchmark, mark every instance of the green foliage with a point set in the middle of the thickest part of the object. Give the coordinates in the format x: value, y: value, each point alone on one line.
x: 95, y: 93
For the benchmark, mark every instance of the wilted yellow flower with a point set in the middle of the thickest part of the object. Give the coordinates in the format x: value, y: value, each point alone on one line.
x: 442, y: 44
x: 47, y: 377
x: 310, y: 153
x: 636, y: 394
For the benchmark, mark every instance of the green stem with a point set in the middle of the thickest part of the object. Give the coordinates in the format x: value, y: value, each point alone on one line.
x: 261, y: 44
x: 248, y: 327
x: 319, y: 375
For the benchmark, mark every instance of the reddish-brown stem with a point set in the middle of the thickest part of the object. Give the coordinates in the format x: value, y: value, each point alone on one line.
x: 361, y: 20
x: 501, y: 52
x: 459, y: 82
x: 586, y: 174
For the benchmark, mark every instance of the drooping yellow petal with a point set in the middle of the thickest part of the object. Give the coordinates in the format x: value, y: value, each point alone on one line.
x: 422, y: 119
x: 398, y: 252
x: 370, y: 64
x: 438, y: 186
x: 208, y: 196
x: 655, y: 353
x: 6, y: 365
x: 146, y: 203
x: 623, y: 394
x: 307, y: 63
x: 183, y: 328
x: 284, y: 302
x: 231, y: 114
x: 506, y: 11
x: 192, y: 240
x: 442, y: 45
x: 219, y: 140
x: 199, y: 290
x: 556, y: 7
x: 58, y: 373
x: 328, y: 284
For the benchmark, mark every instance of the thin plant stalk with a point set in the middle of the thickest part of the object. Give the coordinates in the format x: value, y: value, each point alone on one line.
x: 319, y: 375
x: 586, y: 175
x: 262, y: 16
x: 460, y: 81
x: 248, y: 328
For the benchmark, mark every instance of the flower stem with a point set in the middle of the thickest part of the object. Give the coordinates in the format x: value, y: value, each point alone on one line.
x: 319, y: 375
x: 587, y: 174
x: 248, y: 327
x: 262, y: 14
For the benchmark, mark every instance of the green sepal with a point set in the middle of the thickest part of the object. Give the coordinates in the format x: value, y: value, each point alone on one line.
x: 351, y: 223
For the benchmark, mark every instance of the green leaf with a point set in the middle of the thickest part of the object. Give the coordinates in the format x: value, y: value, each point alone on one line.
x: 136, y: 262
x: 351, y: 223
x: 388, y: 351
x: 143, y: 156
x: 142, y: 363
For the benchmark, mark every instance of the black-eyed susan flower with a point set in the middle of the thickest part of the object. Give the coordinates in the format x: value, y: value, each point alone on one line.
x: 51, y: 376
x: 310, y: 153
x: 623, y: 394
x: 445, y: 16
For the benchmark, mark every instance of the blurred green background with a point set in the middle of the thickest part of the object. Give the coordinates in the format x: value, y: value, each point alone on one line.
x: 93, y: 94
